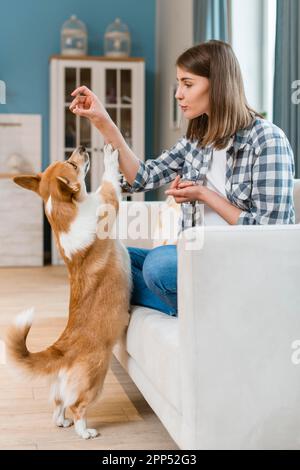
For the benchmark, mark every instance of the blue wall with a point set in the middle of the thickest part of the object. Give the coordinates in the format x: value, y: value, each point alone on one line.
x: 30, y: 34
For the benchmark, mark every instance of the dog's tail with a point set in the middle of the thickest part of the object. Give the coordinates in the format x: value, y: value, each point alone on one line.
x: 38, y: 363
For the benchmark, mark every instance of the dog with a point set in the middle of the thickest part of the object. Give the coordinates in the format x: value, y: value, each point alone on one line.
x: 100, y: 285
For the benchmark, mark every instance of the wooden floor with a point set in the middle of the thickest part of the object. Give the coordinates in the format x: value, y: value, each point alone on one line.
x: 122, y: 416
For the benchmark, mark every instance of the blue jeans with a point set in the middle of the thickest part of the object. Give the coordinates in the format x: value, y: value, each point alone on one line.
x: 154, y: 276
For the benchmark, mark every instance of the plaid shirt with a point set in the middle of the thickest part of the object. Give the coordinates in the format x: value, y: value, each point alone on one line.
x: 258, y: 180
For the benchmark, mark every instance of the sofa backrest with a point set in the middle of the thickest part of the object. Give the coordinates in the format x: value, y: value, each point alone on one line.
x: 297, y: 200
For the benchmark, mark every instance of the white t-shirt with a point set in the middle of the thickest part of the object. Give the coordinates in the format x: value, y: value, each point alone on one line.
x: 215, y: 180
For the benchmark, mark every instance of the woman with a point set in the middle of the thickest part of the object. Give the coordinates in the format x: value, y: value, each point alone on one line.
x: 231, y: 161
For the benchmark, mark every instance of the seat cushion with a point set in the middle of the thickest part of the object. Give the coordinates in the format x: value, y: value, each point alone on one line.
x: 152, y: 340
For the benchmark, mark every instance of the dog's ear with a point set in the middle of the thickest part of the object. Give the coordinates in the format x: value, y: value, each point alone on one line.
x: 68, y: 186
x: 31, y: 182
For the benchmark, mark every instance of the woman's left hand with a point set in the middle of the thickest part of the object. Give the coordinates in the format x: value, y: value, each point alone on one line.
x: 186, y: 191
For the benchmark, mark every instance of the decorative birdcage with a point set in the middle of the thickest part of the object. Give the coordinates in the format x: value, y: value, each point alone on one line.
x: 117, y: 41
x: 73, y: 37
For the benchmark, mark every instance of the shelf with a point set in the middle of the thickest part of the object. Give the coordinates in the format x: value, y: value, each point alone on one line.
x: 97, y: 58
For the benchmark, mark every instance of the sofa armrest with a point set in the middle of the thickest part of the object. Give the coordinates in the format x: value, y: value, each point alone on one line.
x: 137, y: 221
x: 239, y: 306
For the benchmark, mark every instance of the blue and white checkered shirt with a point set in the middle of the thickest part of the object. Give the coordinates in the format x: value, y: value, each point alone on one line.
x: 258, y: 180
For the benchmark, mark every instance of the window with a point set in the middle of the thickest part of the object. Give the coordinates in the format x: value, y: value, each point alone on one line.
x: 253, y: 41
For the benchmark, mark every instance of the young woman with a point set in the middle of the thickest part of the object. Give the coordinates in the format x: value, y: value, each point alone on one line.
x: 231, y: 160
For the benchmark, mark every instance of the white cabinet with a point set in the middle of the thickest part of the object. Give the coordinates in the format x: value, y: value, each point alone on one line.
x: 120, y: 85
x: 21, y: 228
x: 21, y: 223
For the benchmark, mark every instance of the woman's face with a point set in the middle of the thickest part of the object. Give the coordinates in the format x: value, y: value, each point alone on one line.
x: 192, y: 94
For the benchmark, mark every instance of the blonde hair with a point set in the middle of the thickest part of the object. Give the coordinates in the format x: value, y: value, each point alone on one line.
x: 229, y: 110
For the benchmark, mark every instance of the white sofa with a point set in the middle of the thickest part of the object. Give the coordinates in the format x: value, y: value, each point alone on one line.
x: 220, y: 376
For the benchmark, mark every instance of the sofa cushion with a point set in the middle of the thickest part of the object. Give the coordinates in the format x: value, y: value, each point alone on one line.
x: 152, y: 340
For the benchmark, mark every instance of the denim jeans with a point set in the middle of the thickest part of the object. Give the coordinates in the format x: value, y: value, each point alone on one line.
x: 154, y: 276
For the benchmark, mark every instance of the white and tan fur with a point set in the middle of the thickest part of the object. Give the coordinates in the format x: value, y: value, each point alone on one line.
x: 100, y: 284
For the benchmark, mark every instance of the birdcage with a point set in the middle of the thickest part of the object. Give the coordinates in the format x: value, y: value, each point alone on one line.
x: 73, y: 37
x: 117, y: 41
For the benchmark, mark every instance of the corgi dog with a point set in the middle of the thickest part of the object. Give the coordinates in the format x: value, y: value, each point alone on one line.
x: 100, y: 286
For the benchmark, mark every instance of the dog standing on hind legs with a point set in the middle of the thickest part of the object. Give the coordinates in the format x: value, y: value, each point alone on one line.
x: 100, y: 285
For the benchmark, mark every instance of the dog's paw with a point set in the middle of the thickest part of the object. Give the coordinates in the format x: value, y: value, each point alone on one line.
x: 64, y: 422
x: 89, y: 433
x: 108, y: 149
x: 111, y: 157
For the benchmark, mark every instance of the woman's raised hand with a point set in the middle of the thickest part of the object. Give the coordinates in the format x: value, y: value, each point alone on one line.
x: 87, y: 104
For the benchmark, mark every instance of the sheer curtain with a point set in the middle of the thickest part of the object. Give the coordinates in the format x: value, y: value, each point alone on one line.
x: 287, y: 74
x: 211, y: 20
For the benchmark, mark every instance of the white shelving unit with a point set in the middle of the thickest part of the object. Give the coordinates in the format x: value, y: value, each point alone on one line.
x: 120, y: 85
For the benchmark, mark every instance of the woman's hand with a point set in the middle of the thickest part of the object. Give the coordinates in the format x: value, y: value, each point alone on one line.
x: 88, y: 105
x: 186, y: 191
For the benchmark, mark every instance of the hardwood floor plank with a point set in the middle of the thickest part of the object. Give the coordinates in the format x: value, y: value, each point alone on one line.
x: 122, y: 416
